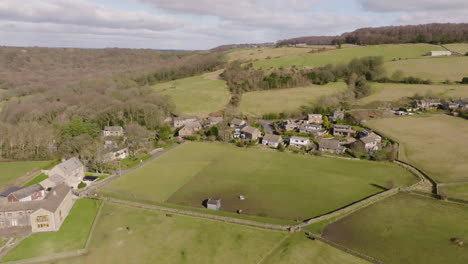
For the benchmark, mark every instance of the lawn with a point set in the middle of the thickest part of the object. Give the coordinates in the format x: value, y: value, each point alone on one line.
x: 461, y: 48
x: 437, y: 69
x: 285, y: 100
x: 388, y: 92
x: 36, y: 180
x: 132, y: 235
x: 301, y: 250
x: 265, y: 52
x: 10, y: 171
x: 435, y: 143
x: 277, y: 185
x: 389, y: 52
x: 72, y: 235
x: 406, y: 228
x: 196, y: 95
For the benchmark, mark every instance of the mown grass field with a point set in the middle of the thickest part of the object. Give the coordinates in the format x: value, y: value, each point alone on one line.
x: 435, y: 143
x: 461, y: 48
x: 130, y: 235
x: 299, y: 249
x: 388, y: 92
x: 456, y: 191
x: 285, y: 100
x: 72, y: 235
x: 10, y: 171
x: 196, y: 95
x: 389, y: 52
x: 437, y: 69
x: 406, y: 229
x: 265, y: 52
x: 277, y: 185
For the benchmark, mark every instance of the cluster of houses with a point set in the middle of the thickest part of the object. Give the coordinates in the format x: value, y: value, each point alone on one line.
x: 42, y: 207
x: 189, y: 125
x: 114, y: 143
x: 434, y: 104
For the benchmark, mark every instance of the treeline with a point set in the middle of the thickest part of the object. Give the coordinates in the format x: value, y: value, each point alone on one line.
x: 428, y: 33
x: 244, y: 78
x: 242, y: 46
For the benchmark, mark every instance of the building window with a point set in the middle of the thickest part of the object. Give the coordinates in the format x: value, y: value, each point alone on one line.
x: 20, y: 213
x: 42, y: 225
x: 42, y: 218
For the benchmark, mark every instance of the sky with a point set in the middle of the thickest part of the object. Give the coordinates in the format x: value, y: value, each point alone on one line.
x: 204, y: 24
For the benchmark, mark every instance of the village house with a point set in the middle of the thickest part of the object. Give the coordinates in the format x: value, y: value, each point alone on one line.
x: 312, y: 129
x: 299, y: 142
x: 212, y: 121
x: 30, y: 193
x: 113, y: 131
x: 315, y: 118
x: 237, y: 123
x: 190, y: 128
x: 271, y: 140
x: 343, y: 131
x: 45, y: 215
x: 70, y: 172
x: 331, y: 145
x: 450, y: 106
x: 290, y: 125
x: 337, y: 115
x: 370, y: 143
x: 214, y: 204
x: 251, y: 133
x: 179, y: 122
x: 427, y: 104
x: 116, y: 154
x: 436, y: 53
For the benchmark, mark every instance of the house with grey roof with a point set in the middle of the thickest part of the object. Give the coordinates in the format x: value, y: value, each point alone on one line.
x: 299, y: 142
x: 179, y: 122
x: 331, y: 145
x: 30, y: 193
x: 70, y: 172
x: 271, y: 140
x: 237, y: 123
x: 113, y: 131
x: 212, y: 121
x: 312, y: 129
x: 337, y: 114
x: 370, y: 143
x: 190, y: 128
x: 251, y: 133
x: 343, y: 131
x: 315, y: 118
x: 44, y: 215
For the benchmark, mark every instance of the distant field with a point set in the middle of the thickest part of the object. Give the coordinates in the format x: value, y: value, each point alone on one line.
x: 437, y: 69
x: 72, y: 235
x: 277, y: 185
x: 196, y: 95
x: 456, y: 191
x: 405, y: 229
x: 285, y: 100
x: 337, y: 56
x: 387, y: 92
x: 298, y: 249
x: 10, y: 171
x: 131, y: 235
x: 435, y: 143
x: 461, y: 48
x: 263, y: 53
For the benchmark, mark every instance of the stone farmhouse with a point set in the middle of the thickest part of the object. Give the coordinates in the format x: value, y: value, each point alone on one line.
x: 31, y: 193
x: 179, y: 122
x: 237, y: 123
x: 370, y: 143
x: 271, y: 140
x: 212, y: 121
x: 299, y: 142
x: 251, y: 133
x: 315, y: 118
x: 113, y: 131
x: 343, y: 131
x: 313, y: 129
x: 427, y: 104
x: 70, y: 172
x: 436, y: 53
x: 190, y: 128
x: 331, y: 145
x: 337, y: 115
x: 44, y: 215
x: 290, y: 125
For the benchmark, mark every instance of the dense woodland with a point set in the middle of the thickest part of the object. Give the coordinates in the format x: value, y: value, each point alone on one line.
x: 427, y: 33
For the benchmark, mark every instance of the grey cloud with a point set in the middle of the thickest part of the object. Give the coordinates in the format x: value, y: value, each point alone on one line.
x: 412, y: 5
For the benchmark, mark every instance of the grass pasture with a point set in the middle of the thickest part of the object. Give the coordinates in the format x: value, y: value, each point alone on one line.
x: 285, y: 100
x: 153, y: 237
x: 72, y: 235
x: 272, y: 52
x: 456, y: 191
x: 36, y: 180
x: 405, y: 228
x: 461, y: 48
x: 435, y: 143
x: 388, y: 92
x: 389, y: 52
x: 437, y: 69
x: 277, y: 185
x: 196, y: 95
x: 10, y: 171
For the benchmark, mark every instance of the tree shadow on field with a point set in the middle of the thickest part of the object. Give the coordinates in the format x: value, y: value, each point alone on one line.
x: 204, y: 203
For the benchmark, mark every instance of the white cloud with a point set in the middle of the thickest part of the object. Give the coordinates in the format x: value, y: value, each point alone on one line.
x: 81, y: 12
x: 413, y: 5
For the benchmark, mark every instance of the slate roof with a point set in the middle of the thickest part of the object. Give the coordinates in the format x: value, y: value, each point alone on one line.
x: 27, y: 191
x: 185, y: 118
x: 272, y: 138
x: 299, y: 138
x: 113, y: 128
x: 329, y: 143
x: 250, y: 130
x: 10, y: 190
x: 237, y: 122
x: 70, y: 165
x: 369, y: 139
x: 214, y: 201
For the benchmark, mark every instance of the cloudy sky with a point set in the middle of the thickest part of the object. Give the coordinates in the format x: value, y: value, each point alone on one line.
x: 203, y: 24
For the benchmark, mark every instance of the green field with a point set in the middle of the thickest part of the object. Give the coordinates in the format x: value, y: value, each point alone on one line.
x: 461, y: 48
x: 406, y: 229
x: 72, y: 235
x: 265, y: 52
x: 436, y: 69
x: 389, y: 52
x: 277, y: 185
x: 196, y: 95
x: 388, y: 92
x: 285, y: 100
x: 434, y: 143
x: 36, y: 180
x: 153, y: 237
x: 10, y: 171
x: 298, y: 249
x: 456, y: 191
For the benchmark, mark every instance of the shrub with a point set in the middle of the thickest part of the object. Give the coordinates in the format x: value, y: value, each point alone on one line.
x: 81, y: 185
x: 465, y: 80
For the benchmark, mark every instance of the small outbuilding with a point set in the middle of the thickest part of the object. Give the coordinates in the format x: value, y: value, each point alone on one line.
x: 214, y: 204
x: 436, y: 53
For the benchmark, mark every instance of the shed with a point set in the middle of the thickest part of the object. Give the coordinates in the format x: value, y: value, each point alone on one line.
x: 213, y: 203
